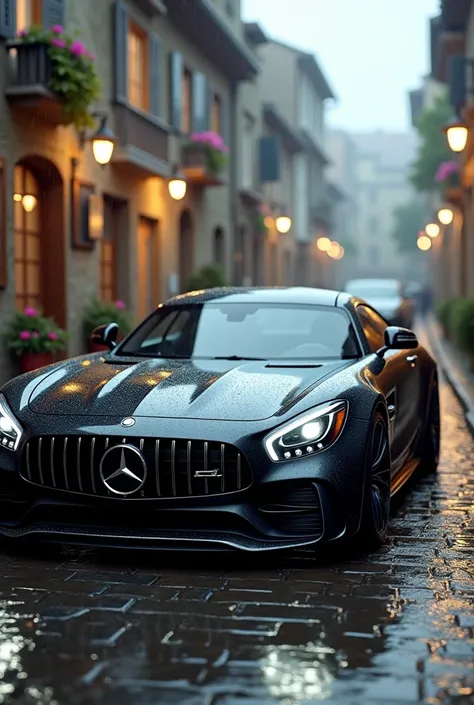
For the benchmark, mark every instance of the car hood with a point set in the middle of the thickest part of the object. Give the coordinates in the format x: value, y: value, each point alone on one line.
x: 243, y: 391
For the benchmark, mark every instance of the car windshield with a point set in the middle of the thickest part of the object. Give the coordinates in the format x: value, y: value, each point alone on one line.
x: 244, y: 331
x: 374, y: 291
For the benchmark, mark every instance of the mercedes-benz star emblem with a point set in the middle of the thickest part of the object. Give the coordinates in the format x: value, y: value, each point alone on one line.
x: 129, y: 421
x: 123, y: 469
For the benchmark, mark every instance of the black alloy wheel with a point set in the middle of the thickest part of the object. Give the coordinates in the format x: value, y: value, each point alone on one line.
x: 376, y: 508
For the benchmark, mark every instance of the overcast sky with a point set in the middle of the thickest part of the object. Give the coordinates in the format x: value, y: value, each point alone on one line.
x: 372, y: 51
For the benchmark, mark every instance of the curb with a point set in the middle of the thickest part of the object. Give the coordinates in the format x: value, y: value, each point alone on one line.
x: 450, y: 373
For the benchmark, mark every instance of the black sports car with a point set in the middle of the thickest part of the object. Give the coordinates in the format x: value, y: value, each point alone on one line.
x: 251, y: 419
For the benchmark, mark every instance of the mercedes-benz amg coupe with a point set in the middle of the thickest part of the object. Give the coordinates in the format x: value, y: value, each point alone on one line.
x: 233, y: 418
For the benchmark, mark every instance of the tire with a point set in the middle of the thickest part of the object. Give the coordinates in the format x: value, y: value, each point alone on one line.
x: 376, y: 503
x: 430, y: 444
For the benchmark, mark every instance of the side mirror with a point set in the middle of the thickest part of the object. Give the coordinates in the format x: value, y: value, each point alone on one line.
x: 105, y: 335
x: 398, y: 339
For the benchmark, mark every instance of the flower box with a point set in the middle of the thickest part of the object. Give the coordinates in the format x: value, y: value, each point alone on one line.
x: 203, y: 159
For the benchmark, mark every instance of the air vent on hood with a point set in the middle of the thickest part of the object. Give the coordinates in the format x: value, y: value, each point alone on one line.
x: 293, y: 366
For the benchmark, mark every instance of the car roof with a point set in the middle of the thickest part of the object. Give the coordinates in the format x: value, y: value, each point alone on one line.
x: 286, y: 295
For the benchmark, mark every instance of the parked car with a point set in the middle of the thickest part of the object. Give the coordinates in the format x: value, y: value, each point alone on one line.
x: 252, y: 419
x: 387, y: 296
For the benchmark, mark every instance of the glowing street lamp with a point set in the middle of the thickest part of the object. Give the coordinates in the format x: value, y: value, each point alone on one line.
x: 323, y: 244
x: 432, y: 230
x: 424, y: 243
x: 445, y: 216
x: 177, y: 186
x: 456, y: 132
x: 283, y: 224
x: 103, y: 143
x: 334, y: 250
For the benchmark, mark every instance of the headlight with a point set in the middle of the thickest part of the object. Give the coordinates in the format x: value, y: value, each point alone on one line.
x: 10, y: 430
x: 309, y: 434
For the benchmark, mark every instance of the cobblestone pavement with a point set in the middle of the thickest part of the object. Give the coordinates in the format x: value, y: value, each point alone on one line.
x: 394, y: 627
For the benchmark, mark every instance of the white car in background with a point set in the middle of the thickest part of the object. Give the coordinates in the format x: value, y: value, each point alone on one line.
x: 387, y: 297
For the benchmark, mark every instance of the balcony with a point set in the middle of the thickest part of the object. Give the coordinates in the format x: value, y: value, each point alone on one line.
x: 143, y: 141
x: 197, y: 169
x: 27, y: 90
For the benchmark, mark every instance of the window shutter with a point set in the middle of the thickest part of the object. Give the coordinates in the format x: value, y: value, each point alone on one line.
x: 3, y: 225
x: 269, y: 159
x: 155, y: 75
x: 53, y: 12
x: 7, y: 18
x: 200, y: 103
x: 224, y: 127
x: 121, y: 31
x: 457, y: 81
x: 176, y: 82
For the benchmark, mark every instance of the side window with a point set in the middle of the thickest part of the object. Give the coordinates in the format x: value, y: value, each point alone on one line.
x: 374, y: 327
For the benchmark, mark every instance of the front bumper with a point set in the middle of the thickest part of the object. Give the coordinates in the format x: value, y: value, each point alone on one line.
x: 297, y: 503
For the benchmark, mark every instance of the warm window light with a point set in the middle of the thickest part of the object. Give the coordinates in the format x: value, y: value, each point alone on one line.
x: 177, y: 188
x: 456, y: 132
x: 283, y: 224
x: 432, y: 230
x: 424, y: 243
x: 323, y: 243
x: 29, y: 202
x: 334, y: 250
x: 445, y: 216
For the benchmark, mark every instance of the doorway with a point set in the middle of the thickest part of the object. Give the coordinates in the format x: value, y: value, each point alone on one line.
x: 148, y: 266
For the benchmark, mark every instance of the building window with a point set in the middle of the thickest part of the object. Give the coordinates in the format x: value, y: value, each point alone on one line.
x: 248, y: 152
x: 186, y: 102
x: 216, y: 114
x: 28, y: 13
x: 27, y: 242
x: 137, y: 55
x: 108, y: 247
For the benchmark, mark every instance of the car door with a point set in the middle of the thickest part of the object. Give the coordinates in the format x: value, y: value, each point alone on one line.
x: 404, y: 404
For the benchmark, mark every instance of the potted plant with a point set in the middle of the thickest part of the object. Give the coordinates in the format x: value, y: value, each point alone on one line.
x: 209, y: 277
x: 67, y: 66
x: 34, y: 339
x: 445, y: 313
x: 205, y: 149
x: 98, y: 313
x: 447, y: 177
x: 462, y: 318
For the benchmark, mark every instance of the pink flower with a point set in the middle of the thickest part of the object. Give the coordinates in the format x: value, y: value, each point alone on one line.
x: 213, y: 139
x: 22, y: 33
x: 78, y: 49
x: 25, y: 335
x: 120, y: 304
x: 57, y: 29
x: 445, y: 170
x: 60, y: 43
x: 30, y: 311
x: 52, y: 335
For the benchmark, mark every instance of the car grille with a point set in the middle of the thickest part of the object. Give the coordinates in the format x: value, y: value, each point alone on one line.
x: 72, y: 463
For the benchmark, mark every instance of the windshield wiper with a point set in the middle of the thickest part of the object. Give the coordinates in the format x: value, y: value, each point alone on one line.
x: 237, y: 358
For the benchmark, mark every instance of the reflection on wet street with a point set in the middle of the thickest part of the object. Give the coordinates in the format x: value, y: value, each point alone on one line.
x: 392, y: 627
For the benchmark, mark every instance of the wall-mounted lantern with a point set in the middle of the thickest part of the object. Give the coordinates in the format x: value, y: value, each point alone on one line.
x: 177, y: 185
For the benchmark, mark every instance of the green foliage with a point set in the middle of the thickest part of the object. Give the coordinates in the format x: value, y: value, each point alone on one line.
x: 445, y: 313
x: 30, y: 332
x: 99, y: 313
x: 462, y: 324
x: 74, y: 78
x: 209, y: 277
x: 409, y: 219
x: 216, y: 160
x: 260, y: 224
x: 434, y: 148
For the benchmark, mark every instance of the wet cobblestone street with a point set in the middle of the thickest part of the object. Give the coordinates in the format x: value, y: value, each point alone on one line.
x: 392, y: 627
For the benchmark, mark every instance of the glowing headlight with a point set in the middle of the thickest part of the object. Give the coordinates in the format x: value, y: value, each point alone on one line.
x: 309, y: 434
x: 10, y: 430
